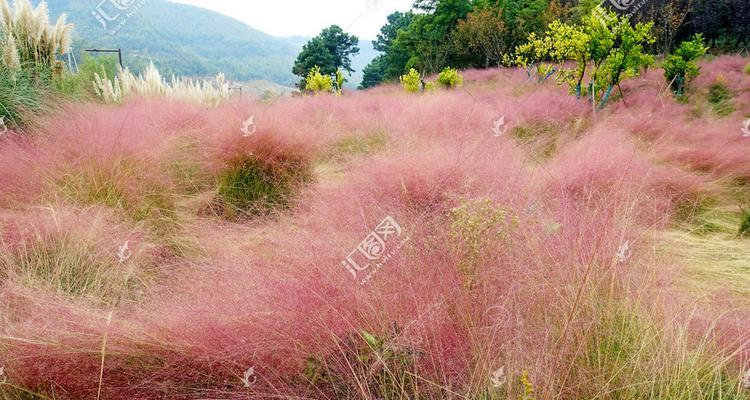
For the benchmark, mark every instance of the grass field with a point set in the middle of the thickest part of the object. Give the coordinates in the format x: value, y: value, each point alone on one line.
x: 383, y: 245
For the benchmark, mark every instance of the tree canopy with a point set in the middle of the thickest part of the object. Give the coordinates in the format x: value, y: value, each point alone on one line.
x: 484, y: 33
x: 331, y: 51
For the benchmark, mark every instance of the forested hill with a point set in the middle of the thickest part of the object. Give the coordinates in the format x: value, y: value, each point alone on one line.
x: 182, y: 39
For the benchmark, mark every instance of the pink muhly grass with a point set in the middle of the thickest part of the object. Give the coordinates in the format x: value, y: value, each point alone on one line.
x: 272, y: 293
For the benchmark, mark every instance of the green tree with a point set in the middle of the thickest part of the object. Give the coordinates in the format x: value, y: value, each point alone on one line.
x: 483, y: 33
x: 331, y: 50
x: 391, y: 64
x: 605, y: 47
x: 427, y: 39
x: 680, y: 67
x: 374, y: 72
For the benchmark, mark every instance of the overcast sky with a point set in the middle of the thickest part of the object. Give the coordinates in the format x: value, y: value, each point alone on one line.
x: 307, y: 18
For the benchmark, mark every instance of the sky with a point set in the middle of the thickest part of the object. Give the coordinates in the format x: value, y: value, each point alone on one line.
x: 307, y: 18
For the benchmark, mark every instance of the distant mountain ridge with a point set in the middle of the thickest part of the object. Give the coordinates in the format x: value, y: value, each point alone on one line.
x: 186, y: 40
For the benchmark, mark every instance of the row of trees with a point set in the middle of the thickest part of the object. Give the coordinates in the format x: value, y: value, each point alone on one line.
x: 482, y: 33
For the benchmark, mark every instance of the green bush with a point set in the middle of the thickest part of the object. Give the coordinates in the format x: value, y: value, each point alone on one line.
x: 317, y: 82
x: 80, y: 86
x: 720, y: 98
x: 450, y: 78
x: 261, y: 182
x: 680, y: 68
x: 747, y: 68
x: 745, y: 224
x: 476, y: 226
x: 412, y: 81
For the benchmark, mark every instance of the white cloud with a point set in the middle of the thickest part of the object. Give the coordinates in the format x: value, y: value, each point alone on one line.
x: 307, y: 18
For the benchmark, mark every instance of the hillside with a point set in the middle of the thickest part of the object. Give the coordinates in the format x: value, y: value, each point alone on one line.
x: 202, y: 43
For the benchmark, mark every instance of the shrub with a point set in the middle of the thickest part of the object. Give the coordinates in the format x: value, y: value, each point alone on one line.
x: 450, y: 78
x: 720, y: 97
x: 476, y: 226
x: 747, y: 68
x: 680, y: 67
x: 81, y: 85
x: 340, y: 80
x: 412, y: 81
x: 261, y: 181
x: 745, y: 223
x: 316, y: 82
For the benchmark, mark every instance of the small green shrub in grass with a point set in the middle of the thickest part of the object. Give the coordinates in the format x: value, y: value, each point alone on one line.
x: 316, y: 82
x: 478, y: 225
x: 745, y: 223
x: 80, y: 86
x: 261, y: 182
x: 450, y: 78
x: 720, y: 98
x: 747, y: 68
x: 412, y: 81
